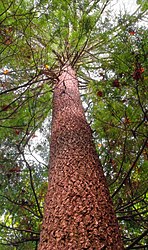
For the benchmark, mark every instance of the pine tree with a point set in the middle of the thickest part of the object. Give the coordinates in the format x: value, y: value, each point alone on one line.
x: 51, y: 50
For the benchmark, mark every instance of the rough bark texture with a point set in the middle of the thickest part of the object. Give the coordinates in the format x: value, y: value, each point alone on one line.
x: 78, y: 211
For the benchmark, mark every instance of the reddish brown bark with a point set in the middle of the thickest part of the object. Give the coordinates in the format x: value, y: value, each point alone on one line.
x: 78, y: 209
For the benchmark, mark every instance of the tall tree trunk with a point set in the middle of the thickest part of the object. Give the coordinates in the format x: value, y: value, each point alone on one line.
x: 78, y: 209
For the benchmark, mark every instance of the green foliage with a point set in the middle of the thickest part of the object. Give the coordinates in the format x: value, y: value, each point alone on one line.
x: 143, y: 3
x: 119, y: 101
x: 109, y: 54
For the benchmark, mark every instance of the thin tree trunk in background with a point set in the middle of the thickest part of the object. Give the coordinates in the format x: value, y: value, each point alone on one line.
x: 78, y: 209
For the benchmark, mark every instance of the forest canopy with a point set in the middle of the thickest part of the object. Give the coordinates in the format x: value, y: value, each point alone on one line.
x: 108, y: 50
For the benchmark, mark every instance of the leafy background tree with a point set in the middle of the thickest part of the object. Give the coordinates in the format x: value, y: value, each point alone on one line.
x: 109, y: 54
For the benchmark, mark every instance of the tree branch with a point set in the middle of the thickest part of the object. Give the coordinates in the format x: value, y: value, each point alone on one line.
x: 137, y: 240
x: 131, y: 168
